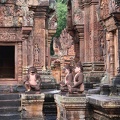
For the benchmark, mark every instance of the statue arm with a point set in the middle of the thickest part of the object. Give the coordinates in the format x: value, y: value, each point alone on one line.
x: 38, y: 78
x: 70, y: 79
x: 26, y: 79
x: 79, y: 81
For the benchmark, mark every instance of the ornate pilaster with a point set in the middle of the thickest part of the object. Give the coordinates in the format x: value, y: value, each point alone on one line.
x: 19, y: 52
x: 86, y: 29
x: 52, y: 26
x: 119, y: 49
x: 39, y: 34
x: 111, y: 55
x: 80, y: 34
x: 110, y: 15
x: 93, y: 33
x: 25, y: 36
x: 51, y: 32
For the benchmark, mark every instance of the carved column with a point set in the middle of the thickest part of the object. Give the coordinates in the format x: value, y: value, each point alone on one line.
x: 111, y: 56
x: 24, y: 47
x: 62, y: 66
x: 39, y: 36
x: 82, y: 49
x: 93, y: 32
x: 19, y: 62
x: 48, y: 50
x: 86, y: 30
x: 119, y: 49
x: 26, y: 33
x: 51, y: 32
x: 80, y: 30
x: 52, y: 26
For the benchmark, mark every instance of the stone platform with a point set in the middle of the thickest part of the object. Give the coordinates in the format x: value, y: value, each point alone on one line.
x: 71, y: 107
x: 104, y: 107
x: 32, y: 106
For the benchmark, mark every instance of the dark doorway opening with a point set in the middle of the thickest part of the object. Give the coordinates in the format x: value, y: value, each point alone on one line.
x: 7, y: 61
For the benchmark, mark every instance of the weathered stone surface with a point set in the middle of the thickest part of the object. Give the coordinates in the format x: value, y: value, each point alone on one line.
x: 32, y: 106
x: 73, y: 107
x: 23, y: 25
x: 105, y: 107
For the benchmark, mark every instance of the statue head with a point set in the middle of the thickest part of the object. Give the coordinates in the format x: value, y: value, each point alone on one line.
x: 69, y: 68
x: 32, y: 70
x: 79, y: 64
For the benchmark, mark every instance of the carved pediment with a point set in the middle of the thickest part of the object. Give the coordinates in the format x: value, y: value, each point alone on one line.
x: 78, y: 15
x: 114, y: 6
x: 52, y: 24
x: 110, y: 24
x: 104, y: 9
x: 33, y: 2
x: 15, y: 16
x: 107, y: 7
x: 8, y: 35
x: 66, y: 42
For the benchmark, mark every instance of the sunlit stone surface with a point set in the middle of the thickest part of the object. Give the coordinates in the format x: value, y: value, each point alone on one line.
x: 32, y: 106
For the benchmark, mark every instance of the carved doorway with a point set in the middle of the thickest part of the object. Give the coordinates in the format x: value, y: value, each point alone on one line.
x: 7, y: 62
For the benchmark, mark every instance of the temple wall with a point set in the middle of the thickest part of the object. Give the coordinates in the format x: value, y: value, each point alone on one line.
x: 39, y: 42
x: 85, y: 32
x: 24, y: 25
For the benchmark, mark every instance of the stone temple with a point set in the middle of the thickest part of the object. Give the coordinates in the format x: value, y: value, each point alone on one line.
x: 92, y: 36
x: 26, y: 28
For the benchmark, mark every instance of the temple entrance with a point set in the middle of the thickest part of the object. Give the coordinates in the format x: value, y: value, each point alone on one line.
x: 7, y: 61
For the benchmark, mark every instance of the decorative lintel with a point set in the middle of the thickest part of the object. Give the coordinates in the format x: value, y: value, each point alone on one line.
x: 26, y: 30
x: 51, y: 32
x: 80, y: 30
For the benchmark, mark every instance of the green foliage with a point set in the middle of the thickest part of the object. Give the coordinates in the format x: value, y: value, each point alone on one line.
x: 61, y: 12
x: 62, y: 1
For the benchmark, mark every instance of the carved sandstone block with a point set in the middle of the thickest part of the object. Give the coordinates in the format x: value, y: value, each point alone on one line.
x: 32, y: 105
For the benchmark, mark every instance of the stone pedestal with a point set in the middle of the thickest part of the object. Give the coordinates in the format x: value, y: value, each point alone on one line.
x: 32, y: 106
x: 104, y: 107
x: 71, y: 107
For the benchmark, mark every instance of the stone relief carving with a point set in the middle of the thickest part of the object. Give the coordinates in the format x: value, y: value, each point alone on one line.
x: 114, y: 6
x: 52, y: 24
x: 78, y: 17
x: 77, y: 13
x: 9, y: 35
x: 108, y: 6
x: 6, y: 15
x: 36, y: 53
x: 65, y: 42
x: 56, y: 45
x: 27, y: 19
x: 16, y: 14
x: 104, y: 9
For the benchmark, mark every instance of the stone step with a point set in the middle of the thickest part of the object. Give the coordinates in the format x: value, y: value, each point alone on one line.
x: 9, y: 96
x: 10, y: 116
x: 49, y: 108
x: 8, y: 103
x: 50, y: 117
x: 9, y: 110
x: 9, y: 106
